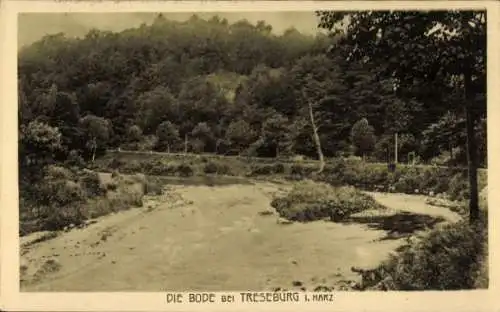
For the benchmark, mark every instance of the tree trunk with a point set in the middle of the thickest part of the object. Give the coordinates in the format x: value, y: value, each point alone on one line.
x: 168, y: 148
x: 185, y: 144
x: 471, y: 151
x: 316, y: 140
x: 94, y: 148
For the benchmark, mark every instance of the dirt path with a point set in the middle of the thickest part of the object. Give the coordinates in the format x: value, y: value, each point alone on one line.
x: 216, y: 239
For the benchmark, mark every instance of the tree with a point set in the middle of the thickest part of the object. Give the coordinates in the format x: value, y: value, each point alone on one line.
x: 239, y: 135
x: 317, y: 141
x: 444, y: 135
x: 444, y: 48
x: 276, y: 136
x: 320, y: 91
x: 97, y: 131
x: 363, y: 137
x: 134, y: 133
x: 38, y: 145
x: 168, y: 135
x: 204, y: 135
x: 154, y: 107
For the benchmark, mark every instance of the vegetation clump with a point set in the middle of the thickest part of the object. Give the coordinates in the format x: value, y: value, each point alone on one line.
x: 309, y: 201
x: 65, y: 198
x: 451, y: 257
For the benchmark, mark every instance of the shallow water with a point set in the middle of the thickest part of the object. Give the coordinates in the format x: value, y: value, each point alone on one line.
x: 216, y: 239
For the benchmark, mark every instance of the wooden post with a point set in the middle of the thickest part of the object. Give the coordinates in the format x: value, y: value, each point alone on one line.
x: 396, y: 148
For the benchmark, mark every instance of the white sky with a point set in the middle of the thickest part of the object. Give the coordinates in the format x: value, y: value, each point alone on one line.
x: 33, y: 26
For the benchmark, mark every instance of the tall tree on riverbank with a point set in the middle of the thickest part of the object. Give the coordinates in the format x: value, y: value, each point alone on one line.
x: 443, y: 48
x: 363, y: 137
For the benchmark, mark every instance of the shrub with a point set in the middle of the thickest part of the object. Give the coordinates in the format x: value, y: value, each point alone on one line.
x: 154, y: 187
x: 458, y: 187
x: 60, y: 202
x: 74, y: 159
x: 210, y: 167
x: 449, y: 258
x: 301, y: 171
x: 116, y: 163
x: 309, y: 201
x: 261, y: 170
x: 216, y: 167
x: 185, y: 170
x: 58, y: 173
x: 278, y: 168
x: 59, y: 192
x: 91, y: 183
x: 131, y: 167
x: 112, y: 186
x: 161, y: 169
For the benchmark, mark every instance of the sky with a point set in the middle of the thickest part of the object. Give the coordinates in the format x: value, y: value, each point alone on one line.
x: 33, y: 26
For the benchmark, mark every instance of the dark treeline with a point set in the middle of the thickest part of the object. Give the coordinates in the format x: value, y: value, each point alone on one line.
x: 214, y: 87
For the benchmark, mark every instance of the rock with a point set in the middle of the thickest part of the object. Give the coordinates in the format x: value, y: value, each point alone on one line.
x: 283, y: 221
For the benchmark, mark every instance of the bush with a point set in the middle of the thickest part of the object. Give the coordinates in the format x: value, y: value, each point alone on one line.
x: 302, y: 171
x: 458, y: 187
x: 153, y: 187
x: 91, y: 183
x: 160, y: 169
x: 131, y: 167
x: 309, y: 201
x: 185, y: 170
x: 267, y: 169
x: 115, y: 174
x: 116, y: 163
x: 212, y: 167
x: 59, y: 192
x: 261, y: 170
x: 449, y: 258
x: 278, y: 168
x: 58, y: 173
x: 112, y: 186
x: 60, y: 201
x: 74, y: 159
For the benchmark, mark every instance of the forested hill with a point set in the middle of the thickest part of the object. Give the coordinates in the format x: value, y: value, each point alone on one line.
x: 229, y: 89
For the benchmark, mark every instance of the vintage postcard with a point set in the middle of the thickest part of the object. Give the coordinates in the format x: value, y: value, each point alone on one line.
x: 222, y: 156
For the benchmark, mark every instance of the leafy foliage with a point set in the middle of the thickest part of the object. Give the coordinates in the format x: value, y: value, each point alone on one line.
x: 423, y: 53
x: 362, y: 136
x: 167, y: 134
x: 309, y: 201
x: 231, y: 88
x: 449, y: 258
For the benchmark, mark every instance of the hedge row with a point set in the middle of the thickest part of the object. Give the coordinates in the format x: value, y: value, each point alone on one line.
x: 366, y: 176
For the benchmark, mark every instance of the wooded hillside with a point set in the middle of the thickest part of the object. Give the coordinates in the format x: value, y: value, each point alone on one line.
x: 231, y: 89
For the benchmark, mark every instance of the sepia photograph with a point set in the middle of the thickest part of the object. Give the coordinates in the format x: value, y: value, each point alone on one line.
x: 272, y: 154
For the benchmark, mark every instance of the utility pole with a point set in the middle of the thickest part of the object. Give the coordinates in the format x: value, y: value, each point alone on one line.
x: 396, y: 148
